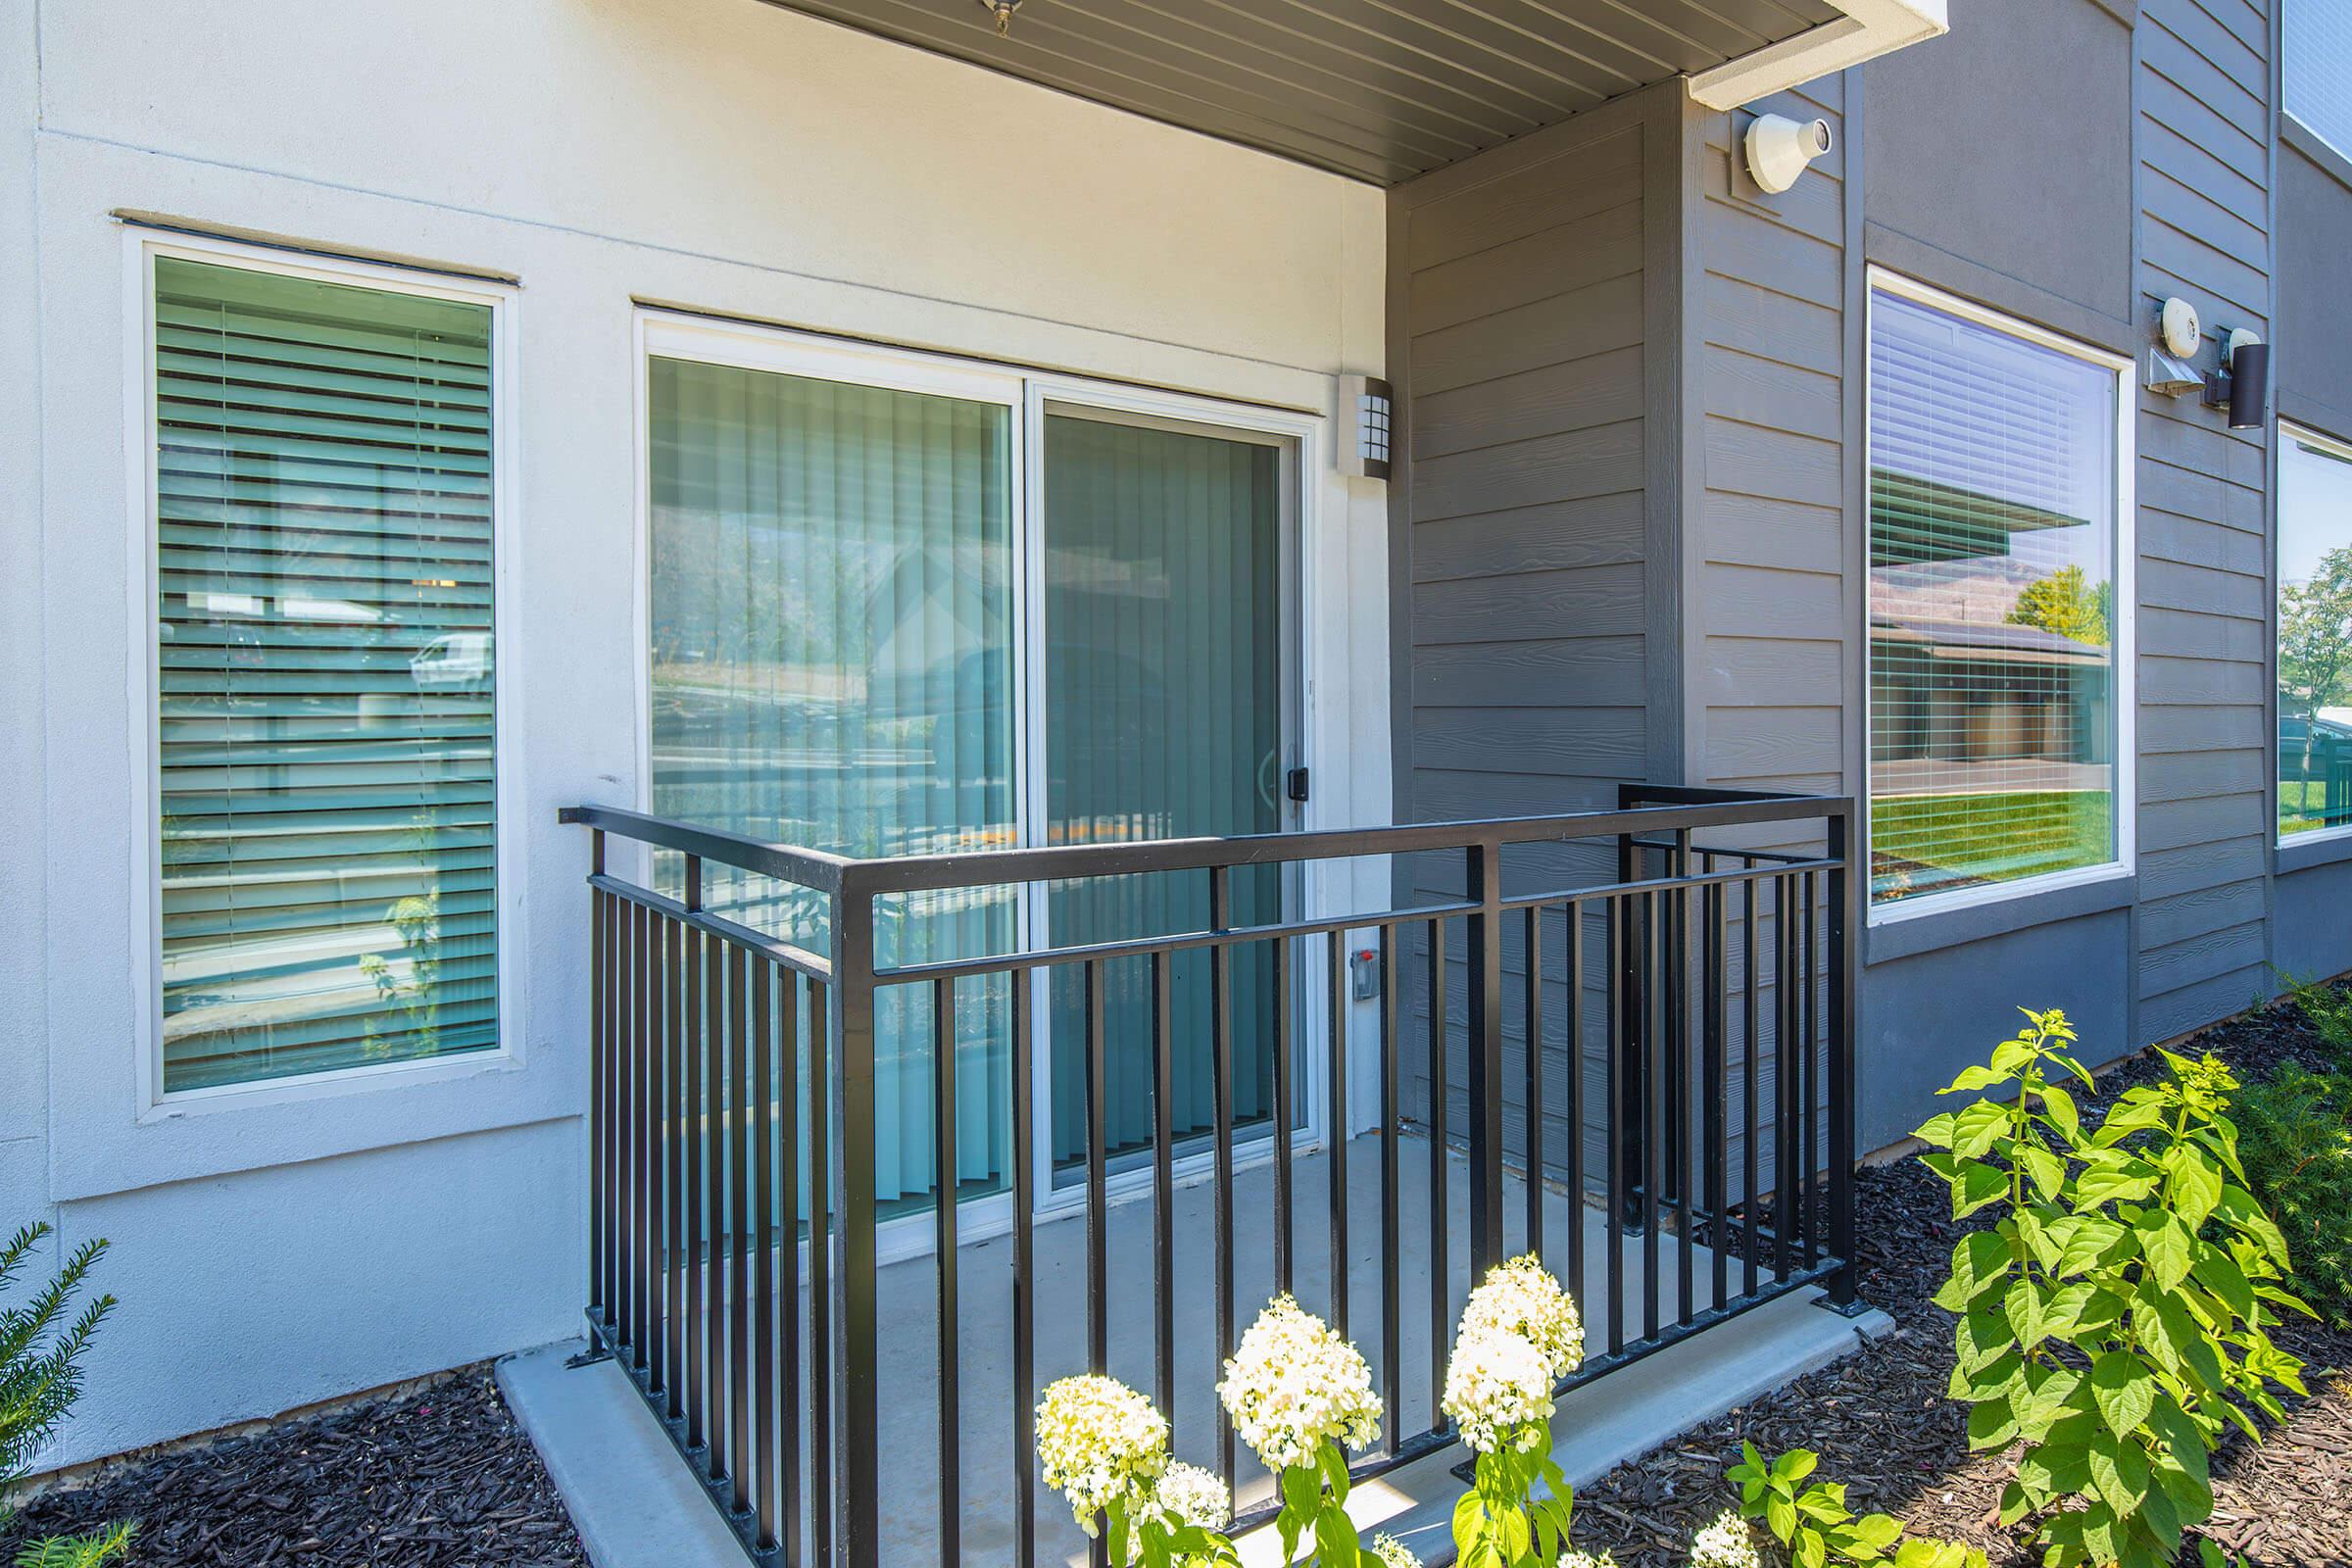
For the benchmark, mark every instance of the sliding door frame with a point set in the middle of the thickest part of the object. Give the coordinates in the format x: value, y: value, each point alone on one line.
x: 1029, y: 397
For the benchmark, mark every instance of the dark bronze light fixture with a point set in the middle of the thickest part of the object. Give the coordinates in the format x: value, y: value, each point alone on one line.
x: 2242, y: 384
x: 1002, y: 11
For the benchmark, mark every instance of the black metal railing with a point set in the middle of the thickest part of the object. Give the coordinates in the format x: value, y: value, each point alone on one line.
x: 1687, y: 1007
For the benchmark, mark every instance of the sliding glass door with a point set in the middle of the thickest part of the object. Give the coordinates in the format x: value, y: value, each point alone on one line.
x: 1165, y: 690
x: 871, y: 631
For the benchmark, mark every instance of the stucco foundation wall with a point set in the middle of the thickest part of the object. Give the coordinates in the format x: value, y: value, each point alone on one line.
x: 274, y: 1250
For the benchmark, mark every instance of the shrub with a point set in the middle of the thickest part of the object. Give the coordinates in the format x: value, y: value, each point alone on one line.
x: 2327, y: 1008
x: 1814, y: 1524
x: 2294, y: 1136
x: 1105, y: 1450
x: 1299, y: 1396
x: 2115, y: 1320
x: 40, y: 1377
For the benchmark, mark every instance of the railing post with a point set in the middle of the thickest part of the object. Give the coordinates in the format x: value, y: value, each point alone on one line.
x: 1845, y: 889
x: 1484, y: 1085
x: 852, y: 1030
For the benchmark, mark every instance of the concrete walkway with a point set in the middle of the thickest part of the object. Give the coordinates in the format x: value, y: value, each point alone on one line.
x: 633, y: 1496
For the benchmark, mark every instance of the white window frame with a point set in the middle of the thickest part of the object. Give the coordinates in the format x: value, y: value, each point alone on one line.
x: 142, y: 248
x: 1027, y: 395
x: 2342, y: 451
x: 1878, y: 279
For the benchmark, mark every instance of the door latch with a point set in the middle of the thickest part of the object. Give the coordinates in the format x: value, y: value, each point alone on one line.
x: 1295, y: 785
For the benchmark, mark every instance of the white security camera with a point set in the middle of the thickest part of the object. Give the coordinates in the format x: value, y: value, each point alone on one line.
x: 1779, y: 149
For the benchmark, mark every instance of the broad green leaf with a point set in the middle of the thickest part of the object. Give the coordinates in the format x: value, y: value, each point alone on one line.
x: 1980, y: 1260
x: 1976, y: 1184
x: 1970, y: 1080
x: 2165, y: 1242
x: 2123, y: 1389
x: 2091, y: 1242
x: 1935, y: 1131
x: 1991, y: 1424
x: 2046, y: 1169
x: 1977, y: 1128
x: 2192, y: 1187
x: 1794, y: 1465
x: 1780, y: 1517
x: 2219, y: 1273
x: 2059, y: 1107
x: 2111, y: 1181
x: 2023, y: 1306
x: 1981, y: 1338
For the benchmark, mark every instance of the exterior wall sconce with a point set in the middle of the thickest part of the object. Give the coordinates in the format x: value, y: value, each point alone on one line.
x: 2243, y: 384
x: 1780, y: 149
x: 1366, y: 406
x: 1002, y: 11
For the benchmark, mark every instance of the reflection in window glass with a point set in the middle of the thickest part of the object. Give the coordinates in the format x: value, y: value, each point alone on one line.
x: 2316, y: 64
x: 831, y: 647
x: 1993, y: 605
x: 323, y: 640
x: 2314, y: 635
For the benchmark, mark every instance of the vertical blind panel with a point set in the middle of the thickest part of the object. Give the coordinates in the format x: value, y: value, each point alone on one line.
x: 2315, y: 638
x: 2316, y: 64
x: 831, y: 624
x: 325, y: 664
x: 1993, y: 514
x: 1164, y: 719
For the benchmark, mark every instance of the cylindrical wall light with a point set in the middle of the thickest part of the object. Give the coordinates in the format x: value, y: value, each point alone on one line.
x: 2242, y: 384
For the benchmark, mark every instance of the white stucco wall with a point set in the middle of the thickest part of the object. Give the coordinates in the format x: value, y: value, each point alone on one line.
x: 274, y: 1250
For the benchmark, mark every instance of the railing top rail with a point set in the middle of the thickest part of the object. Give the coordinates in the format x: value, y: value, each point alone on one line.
x: 1059, y: 863
x: 810, y: 868
x: 916, y: 873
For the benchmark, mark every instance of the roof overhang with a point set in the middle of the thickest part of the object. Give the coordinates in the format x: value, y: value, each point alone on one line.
x: 1386, y: 91
x: 1867, y: 29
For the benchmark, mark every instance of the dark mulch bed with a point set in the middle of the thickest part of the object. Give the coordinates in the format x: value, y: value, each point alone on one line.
x: 1881, y: 1424
x: 440, y: 1477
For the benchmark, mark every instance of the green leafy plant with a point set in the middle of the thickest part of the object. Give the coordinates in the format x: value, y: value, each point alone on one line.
x: 40, y: 1375
x: 1816, y: 1525
x: 2113, y: 1320
x: 2294, y: 1136
x: 1103, y: 1447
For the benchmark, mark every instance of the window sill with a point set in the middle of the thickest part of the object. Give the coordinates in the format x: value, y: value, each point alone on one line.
x: 2307, y: 851
x: 2313, y: 146
x: 1932, y: 930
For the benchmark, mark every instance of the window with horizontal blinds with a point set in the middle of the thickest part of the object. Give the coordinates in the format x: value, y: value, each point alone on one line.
x: 1993, y: 539
x: 2315, y: 634
x: 325, y: 659
x: 2315, y: 68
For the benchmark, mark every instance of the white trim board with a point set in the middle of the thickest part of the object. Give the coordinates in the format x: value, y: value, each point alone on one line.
x: 1867, y: 29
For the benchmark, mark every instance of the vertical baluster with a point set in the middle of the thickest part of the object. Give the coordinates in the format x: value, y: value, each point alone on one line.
x: 1220, y: 1026
x: 672, y: 1248
x: 1574, y: 1092
x: 1163, y: 1186
x: 1809, y: 966
x: 628, y: 1053
x: 600, y: 1115
x: 1098, y: 1200
x: 1283, y: 1237
x: 1482, y: 1055
x: 650, y: 1117
x: 1783, y: 1072
x: 1751, y: 1072
x: 687, y: 1136
x: 1336, y: 1122
x: 788, y: 1260
x: 1024, y: 1284
x: 943, y: 1240
x: 1439, y: 1218
x: 707, y: 1107
x: 1535, y: 1079
x: 1839, y: 1067
x: 1717, y: 1157
x: 1618, y: 1017
x: 1392, y: 1327
x: 1654, y: 1098
x: 759, y: 1077
x: 738, y: 1230
x: 823, y: 1515
x: 1679, y: 1142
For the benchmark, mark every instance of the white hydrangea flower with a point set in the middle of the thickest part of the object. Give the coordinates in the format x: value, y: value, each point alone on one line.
x: 1292, y: 1385
x: 1496, y: 1384
x: 1584, y: 1560
x: 1098, y: 1440
x: 1522, y: 1297
x: 1394, y: 1553
x: 1728, y: 1543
